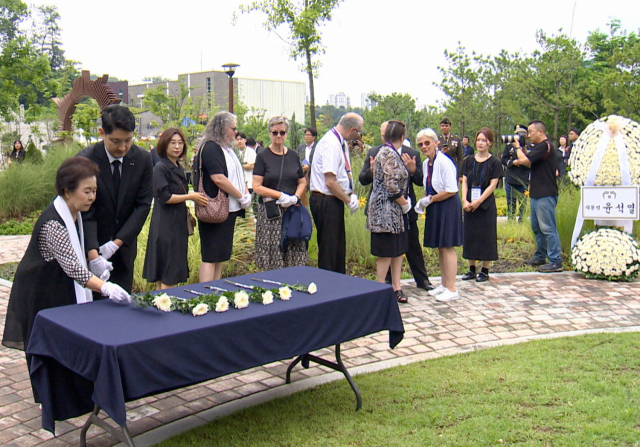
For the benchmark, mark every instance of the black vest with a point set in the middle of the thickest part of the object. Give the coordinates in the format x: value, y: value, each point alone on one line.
x: 37, y: 285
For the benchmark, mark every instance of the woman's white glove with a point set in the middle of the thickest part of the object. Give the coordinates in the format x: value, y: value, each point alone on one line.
x: 286, y: 200
x: 245, y: 201
x: 407, y: 206
x: 109, y: 249
x: 115, y: 292
x: 354, y: 204
x: 422, y: 204
x: 101, y: 268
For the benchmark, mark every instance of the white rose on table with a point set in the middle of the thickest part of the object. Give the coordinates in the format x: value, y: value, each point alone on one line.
x: 312, y: 288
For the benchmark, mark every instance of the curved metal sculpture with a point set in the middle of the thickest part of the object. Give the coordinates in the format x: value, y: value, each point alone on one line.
x: 84, y: 86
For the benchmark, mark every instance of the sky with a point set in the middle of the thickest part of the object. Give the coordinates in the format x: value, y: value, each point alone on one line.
x: 371, y: 45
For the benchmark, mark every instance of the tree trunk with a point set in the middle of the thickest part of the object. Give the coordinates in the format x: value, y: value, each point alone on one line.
x: 312, y: 94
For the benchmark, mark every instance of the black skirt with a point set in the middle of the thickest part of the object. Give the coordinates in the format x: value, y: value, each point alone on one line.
x: 443, y: 224
x: 389, y: 245
x: 216, y: 240
x: 481, y: 234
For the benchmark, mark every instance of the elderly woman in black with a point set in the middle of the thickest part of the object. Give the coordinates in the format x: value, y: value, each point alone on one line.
x: 165, y: 261
x: 279, y: 180
x: 54, y: 270
x: 221, y: 170
x: 388, y: 205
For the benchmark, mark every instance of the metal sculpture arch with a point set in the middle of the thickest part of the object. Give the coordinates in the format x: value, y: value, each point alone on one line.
x: 84, y: 86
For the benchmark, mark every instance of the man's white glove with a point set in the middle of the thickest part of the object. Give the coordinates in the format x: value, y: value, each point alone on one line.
x: 354, y: 204
x: 407, y: 206
x: 422, y: 204
x: 286, y: 200
x: 115, y: 292
x: 109, y: 249
x: 245, y: 201
x: 101, y: 268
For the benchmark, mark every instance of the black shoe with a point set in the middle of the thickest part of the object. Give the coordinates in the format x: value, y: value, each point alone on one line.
x: 535, y: 262
x: 426, y: 285
x: 469, y: 275
x: 551, y: 267
x: 401, y: 297
x: 482, y: 277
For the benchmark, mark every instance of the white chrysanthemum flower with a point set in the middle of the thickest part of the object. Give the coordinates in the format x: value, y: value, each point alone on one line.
x: 285, y: 293
x: 240, y: 299
x: 222, y: 305
x: 312, y: 288
x: 200, y: 309
x: 162, y: 302
x: 267, y: 297
x: 607, y: 252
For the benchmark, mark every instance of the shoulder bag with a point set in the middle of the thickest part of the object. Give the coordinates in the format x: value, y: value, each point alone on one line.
x: 217, y: 209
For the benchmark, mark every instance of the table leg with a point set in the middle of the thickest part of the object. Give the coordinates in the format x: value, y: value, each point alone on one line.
x: 338, y: 366
x: 121, y: 434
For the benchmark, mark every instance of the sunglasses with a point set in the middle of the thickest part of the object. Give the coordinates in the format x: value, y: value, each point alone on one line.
x: 282, y: 133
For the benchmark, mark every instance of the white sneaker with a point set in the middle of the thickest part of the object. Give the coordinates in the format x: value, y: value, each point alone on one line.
x: 437, y: 291
x: 448, y: 295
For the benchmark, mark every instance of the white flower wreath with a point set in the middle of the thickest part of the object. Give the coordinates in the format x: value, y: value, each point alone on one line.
x: 607, y: 254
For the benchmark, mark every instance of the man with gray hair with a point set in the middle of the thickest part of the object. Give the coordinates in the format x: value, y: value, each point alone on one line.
x: 332, y: 187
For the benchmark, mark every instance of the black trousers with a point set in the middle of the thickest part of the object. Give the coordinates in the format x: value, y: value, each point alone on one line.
x: 328, y: 215
x: 414, y: 256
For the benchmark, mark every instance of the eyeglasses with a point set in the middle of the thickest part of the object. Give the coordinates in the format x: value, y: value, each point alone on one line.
x: 233, y: 128
x: 359, y: 132
x: 282, y: 133
x: 424, y: 144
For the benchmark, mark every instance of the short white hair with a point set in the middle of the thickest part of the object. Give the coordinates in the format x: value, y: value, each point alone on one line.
x: 429, y: 133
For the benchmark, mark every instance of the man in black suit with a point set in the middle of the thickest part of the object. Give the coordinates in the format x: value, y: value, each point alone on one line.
x: 123, y: 200
x: 411, y: 159
x: 305, y: 149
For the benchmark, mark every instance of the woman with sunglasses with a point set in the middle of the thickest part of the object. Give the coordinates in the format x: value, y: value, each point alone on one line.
x: 389, y: 205
x: 441, y: 203
x: 221, y: 170
x: 279, y: 180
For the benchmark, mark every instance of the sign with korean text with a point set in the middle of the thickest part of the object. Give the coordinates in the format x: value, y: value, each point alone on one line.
x: 610, y: 202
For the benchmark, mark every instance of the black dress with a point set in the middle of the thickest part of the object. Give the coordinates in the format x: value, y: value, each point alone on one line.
x: 216, y: 239
x: 166, y: 255
x: 480, y: 226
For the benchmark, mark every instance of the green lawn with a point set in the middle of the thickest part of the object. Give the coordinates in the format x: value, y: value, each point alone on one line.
x: 576, y: 391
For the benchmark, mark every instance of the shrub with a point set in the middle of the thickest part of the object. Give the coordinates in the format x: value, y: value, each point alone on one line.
x: 33, y: 155
x: 27, y: 187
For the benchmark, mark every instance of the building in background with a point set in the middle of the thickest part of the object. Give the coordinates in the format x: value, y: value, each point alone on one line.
x: 274, y: 97
x: 340, y: 100
x: 366, y: 103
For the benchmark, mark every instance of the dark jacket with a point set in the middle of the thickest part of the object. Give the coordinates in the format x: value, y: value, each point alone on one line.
x: 119, y: 216
x: 516, y: 175
x: 416, y: 178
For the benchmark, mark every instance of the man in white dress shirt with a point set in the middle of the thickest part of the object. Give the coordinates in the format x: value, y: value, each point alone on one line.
x: 332, y: 188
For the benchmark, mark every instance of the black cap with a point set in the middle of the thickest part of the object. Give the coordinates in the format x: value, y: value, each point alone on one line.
x: 519, y: 128
x: 445, y: 120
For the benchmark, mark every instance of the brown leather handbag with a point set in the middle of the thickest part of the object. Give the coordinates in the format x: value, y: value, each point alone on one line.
x: 217, y: 209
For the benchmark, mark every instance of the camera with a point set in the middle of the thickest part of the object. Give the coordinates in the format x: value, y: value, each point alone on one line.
x: 508, y: 139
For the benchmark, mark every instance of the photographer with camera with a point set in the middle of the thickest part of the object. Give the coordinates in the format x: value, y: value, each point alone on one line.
x: 544, y: 197
x: 516, y: 180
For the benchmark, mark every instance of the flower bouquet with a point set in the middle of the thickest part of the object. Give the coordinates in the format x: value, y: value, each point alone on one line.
x: 607, y: 254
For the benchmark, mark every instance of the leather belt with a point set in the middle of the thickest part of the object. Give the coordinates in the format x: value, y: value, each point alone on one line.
x: 316, y: 193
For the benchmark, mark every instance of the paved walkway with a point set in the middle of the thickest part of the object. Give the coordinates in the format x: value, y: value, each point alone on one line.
x: 508, y: 309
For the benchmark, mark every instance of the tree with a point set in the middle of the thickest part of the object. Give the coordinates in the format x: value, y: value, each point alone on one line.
x: 400, y: 106
x: 85, y: 119
x: 23, y: 70
x: 46, y: 35
x: 304, y: 19
x: 555, y: 79
x: 466, y: 102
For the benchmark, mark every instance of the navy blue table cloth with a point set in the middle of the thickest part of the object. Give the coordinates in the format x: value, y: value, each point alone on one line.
x: 108, y: 353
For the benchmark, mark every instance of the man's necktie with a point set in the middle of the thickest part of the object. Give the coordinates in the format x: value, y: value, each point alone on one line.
x: 116, y: 174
